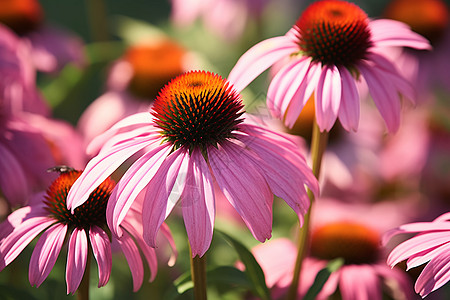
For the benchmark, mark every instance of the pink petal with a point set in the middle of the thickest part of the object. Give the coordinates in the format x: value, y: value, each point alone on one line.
x: 416, y: 227
x: 17, y: 217
x: 285, y: 84
x: 45, y: 253
x: 384, y: 95
x: 244, y: 186
x: 198, y: 204
x: 443, y: 217
x: 101, y: 248
x: 303, y: 94
x: 13, y: 181
x: 259, y: 58
x: 76, y: 259
x: 133, y: 258
x: 435, y: 274
x: 135, y: 179
x: 101, y: 167
x: 416, y: 245
x: 359, y: 282
x: 13, y: 244
x: 328, y: 97
x: 157, y: 203
x: 168, y: 234
x: 350, y: 108
x: 388, y: 33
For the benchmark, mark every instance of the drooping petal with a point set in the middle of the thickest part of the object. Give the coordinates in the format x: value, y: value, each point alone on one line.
x: 359, y: 283
x: 435, y: 274
x: 244, y: 186
x: 259, y: 58
x: 349, y: 110
x: 388, y: 33
x: 328, y: 97
x: 133, y: 257
x: 135, y: 179
x: 13, y: 182
x: 76, y: 259
x: 158, y: 202
x: 45, y: 253
x: 415, y: 245
x: 17, y: 217
x: 384, y: 95
x: 101, y: 248
x: 416, y: 227
x: 198, y: 204
x: 13, y: 244
x: 168, y: 234
x: 101, y: 167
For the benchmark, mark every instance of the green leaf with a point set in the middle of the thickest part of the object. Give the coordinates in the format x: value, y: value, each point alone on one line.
x: 252, y: 268
x: 322, y: 277
x: 215, y: 276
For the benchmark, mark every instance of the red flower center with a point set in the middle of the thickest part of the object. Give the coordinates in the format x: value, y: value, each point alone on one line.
x: 92, y: 212
x: 355, y: 243
x: 334, y: 33
x: 22, y: 16
x: 426, y: 17
x: 197, y: 109
x: 153, y: 66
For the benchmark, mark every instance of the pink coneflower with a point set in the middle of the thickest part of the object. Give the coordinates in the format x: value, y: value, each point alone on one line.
x: 431, y: 246
x: 195, y: 137
x: 52, y: 48
x: 85, y: 229
x: 134, y: 81
x: 332, y: 46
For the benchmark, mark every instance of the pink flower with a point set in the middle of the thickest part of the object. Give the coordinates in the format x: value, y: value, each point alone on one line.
x: 194, y: 137
x: 331, y: 48
x: 431, y: 246
x: 134, y: 80
x: 52, y: 48
x: 49, y: 215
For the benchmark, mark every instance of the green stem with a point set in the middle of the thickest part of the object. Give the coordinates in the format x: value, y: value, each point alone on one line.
x: 83, y: 289
x: 198, y: 274
x: 318, y: 145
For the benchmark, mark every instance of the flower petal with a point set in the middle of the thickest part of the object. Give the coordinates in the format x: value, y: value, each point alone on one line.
x: 157, y: 203
x: 259, y: 58
x: 244, y: 186
x: 359, y: 283
x: 76, y: 259
x: 350, y: 107
x: 135, y: 179
x: 133, y: 257
x: 101, y: 248
x: 198, y: 204
x: 45, y: 253
x: 13, y: 244
x: 388, y: 33
x: 13, y: 182
x: 328, y: 97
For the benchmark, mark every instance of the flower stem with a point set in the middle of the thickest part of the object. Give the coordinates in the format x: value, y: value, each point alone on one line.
x: 318, y: 145
x: 83, y: 289
x: 198, y: 274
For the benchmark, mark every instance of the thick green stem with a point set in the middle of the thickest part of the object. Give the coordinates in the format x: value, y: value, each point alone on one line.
x: 318, y: 145
x: 83, y: 289
x: 198, y: 274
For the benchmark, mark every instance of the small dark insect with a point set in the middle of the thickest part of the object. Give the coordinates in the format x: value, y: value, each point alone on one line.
x: 60, y: 169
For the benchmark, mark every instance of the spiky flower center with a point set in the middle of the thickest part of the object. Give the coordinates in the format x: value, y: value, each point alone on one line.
x: 154, y: 64
x: 22, y: 16
x: 334, y: 33
x: 197, y: 109
x: 92, y: 212
x: 355, y: 243
x: 426, y: 17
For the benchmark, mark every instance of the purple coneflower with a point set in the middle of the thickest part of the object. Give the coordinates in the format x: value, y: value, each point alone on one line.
x: 196, y: 136
x: 430, y: 246
x: 85, y: 228
x: 332, y: 46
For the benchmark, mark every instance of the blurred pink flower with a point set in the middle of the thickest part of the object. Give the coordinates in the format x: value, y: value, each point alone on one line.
x: 52, y: 48
x: 196, y: 136
x: 48, y: 214
x: 426, y: 70
x: 430, y: 246
x: 226, y: 18
x: 133, y: 83
x: 332, y: 47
